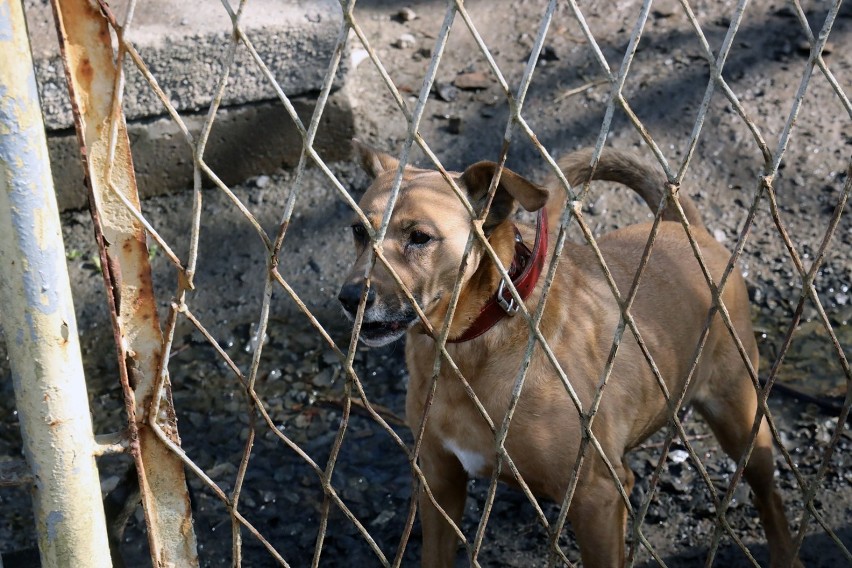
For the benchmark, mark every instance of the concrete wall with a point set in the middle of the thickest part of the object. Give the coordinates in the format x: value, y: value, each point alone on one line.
x: 184, y: 45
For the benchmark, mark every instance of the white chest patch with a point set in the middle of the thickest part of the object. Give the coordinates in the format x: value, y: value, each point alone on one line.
x: 472, y: 462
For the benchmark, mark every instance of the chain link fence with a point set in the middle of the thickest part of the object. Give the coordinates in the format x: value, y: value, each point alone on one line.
x: 311, y: 502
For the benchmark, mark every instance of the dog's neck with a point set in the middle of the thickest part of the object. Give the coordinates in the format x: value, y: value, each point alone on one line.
x: 486, y: 278
x: 484, y: 300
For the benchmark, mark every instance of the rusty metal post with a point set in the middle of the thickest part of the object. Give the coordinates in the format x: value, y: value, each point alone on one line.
x: 37, y: 315
x: 95, y: 83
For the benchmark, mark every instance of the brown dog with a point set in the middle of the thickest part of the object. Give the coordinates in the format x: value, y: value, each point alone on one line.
x: 425, y: 242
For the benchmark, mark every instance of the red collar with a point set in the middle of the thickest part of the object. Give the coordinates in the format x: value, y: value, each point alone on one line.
x: 525, y: 269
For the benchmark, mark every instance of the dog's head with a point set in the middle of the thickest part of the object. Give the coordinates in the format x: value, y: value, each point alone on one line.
x: 425, y: 239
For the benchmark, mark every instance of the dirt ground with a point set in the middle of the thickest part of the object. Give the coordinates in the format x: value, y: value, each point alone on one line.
x: 301, y: 380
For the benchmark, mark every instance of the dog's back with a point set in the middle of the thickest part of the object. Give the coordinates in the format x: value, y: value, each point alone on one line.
x: 673, y: 299
x: 671, y: 311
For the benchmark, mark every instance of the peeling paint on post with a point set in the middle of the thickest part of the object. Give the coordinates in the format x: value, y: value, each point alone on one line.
x: 94, y: 83
x: 37, y: 315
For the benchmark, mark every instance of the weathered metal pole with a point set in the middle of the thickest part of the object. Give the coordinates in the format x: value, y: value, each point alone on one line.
x: 37, y: 315
x: 95, y: 78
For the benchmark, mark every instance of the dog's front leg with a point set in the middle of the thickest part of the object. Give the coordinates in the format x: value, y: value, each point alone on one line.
x: 598, y: 516
x: 447, y: 482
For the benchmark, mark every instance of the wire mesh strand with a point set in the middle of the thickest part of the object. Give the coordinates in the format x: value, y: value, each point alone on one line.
x: 443, y: 362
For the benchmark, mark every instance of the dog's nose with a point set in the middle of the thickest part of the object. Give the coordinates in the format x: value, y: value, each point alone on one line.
x: 350, y: 296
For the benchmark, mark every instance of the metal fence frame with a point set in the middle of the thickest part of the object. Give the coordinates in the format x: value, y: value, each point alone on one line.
x: 143, y: 350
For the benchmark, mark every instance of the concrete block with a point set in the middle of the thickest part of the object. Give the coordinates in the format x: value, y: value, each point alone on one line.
x: 246, y: 141
x: 184, y: 44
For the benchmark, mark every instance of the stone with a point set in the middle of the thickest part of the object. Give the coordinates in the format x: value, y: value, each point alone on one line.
x: 405, y: 41
x: 405, y: 15
x: 473, y: 81
x: 446, y: 92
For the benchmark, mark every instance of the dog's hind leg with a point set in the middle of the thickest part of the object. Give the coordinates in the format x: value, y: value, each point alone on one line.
x: 447, y: 482
x: 730, y: 409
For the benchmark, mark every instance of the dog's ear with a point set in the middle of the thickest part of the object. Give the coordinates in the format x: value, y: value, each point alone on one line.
x: 373, y: 161
x: 512, y: 187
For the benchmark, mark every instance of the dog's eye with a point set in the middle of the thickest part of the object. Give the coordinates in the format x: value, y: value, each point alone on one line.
x: 359, y: 231
x: 419, y: 238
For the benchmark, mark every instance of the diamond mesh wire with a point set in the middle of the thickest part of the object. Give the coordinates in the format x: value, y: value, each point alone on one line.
x: 457, y: 15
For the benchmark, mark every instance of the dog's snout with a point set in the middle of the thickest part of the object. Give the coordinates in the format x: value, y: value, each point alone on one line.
x: 350, y: 296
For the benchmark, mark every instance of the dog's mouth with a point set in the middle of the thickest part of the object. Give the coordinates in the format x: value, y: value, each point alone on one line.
x: 378, y: 333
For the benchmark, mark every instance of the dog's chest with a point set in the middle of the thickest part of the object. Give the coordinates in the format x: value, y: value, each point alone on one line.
x: 465, y: 435
x: 473, y: 462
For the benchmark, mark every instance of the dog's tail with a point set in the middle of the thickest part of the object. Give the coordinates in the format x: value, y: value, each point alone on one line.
x: 624, y: 168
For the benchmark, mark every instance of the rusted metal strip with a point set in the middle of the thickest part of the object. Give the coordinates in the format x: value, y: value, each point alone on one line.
x: 37, y: 317
x: 94, y: 82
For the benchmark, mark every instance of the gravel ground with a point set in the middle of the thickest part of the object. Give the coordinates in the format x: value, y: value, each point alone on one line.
x: 300, y: 380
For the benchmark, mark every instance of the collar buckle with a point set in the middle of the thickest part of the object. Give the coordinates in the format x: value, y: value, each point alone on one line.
x: 509, y: 306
